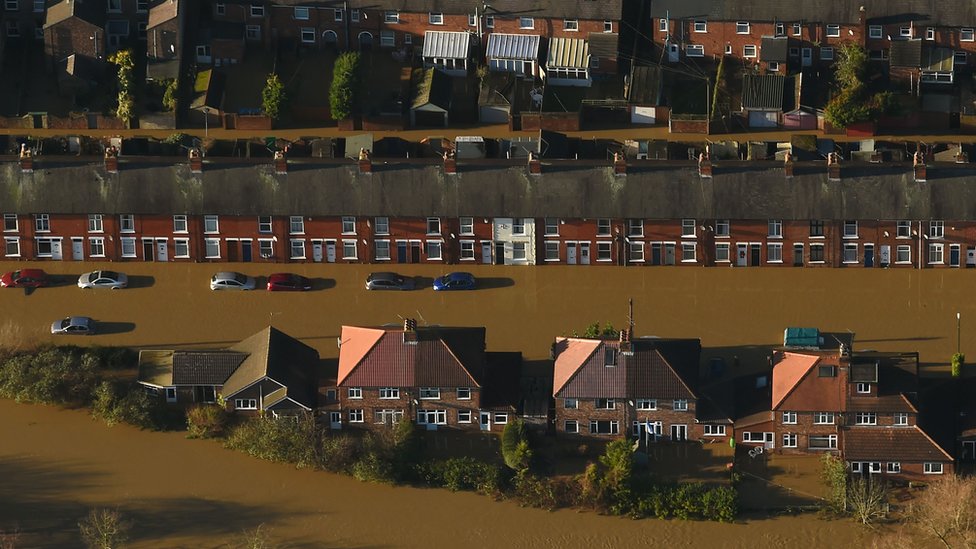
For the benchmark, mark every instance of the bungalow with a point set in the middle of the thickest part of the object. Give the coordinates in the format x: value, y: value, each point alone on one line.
x: 267, y: 372
x: 448, y: 51
x: 442, y: 377
x: 518, y: 53
x: 568, y: 62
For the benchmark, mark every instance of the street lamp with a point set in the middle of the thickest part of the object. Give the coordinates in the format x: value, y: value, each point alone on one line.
x: 958, y: 333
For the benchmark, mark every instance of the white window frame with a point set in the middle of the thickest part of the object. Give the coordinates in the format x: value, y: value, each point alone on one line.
x: 680, y: 405
x: 296, y: 247
x: 570, y: 403
x: 128, y: 246
x: 301, y: 13
x: 551, y: 248
x: 604, y: 251
x: 774, y: 252
x: 212, y: 247
x: 127, y: 223
x: 435, y: 250
x: 571, y: 25
x: 875, y: 31
x: 307, y: 35
x: 266, y: 247
x: 646, y: 404
x: 257, y: 10
x: 900, y: 419
x: 382, y: 249
x: 823, y: 418
x: 694, y: 50
x: 96, y: 223
x: 466, y: 226
x: 211, y: 224
x: 464, y: 416
x: 355, y: 393
x: 429, y: 393
x: 749, y: 51
x: 830, y: 439
x: 932, y: 468
x: 467, y: 250
x: 850, y: 229
x: 689, y: 228
x: 613, y: 427
x: 603, y: 226
x: 435, y: 18
x: 181, y: 248
x: 425, y: 416
x: 789, y: 418
x: 635, y: 227
x: 826, y: 53
x: 96, y: 246
x: 689, y: 252
x: 245, y: 404
x: 723, y: 228
x: 863, y: 388
x: 381, y: 226
x: 790, y: 440
x: 347, y: 244
x: 501, y: 418
x: 635, y: 251
x: 662, y: 25
x: 700, y: 25
x: 348, y: 225
x: 518, y: 226
x: 571, y: 426
x: 850, y: 252
x: 296, y: 224
x: 936, y: 253
x: 936, y: 228
x: 930, y: 33
x: 356, y: 416
x: 7, y: 242
x: 797, y: 29
x: 389, y: 393
x: 903, y: 229
x: 433, y: 226
x: 907, y: 251
x: 774, y: 228
x: 865, y: 418
x: 526, y: 23
x: 742, y: 27
x: 7, y: 226
x: 604, y: 404
x: 967, y: 34
x: 713, y: 430
x: 833, y: 31
x: 464, y: 393
x: 722, y: 250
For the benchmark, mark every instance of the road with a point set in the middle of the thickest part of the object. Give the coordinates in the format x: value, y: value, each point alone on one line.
x: 523, y: 308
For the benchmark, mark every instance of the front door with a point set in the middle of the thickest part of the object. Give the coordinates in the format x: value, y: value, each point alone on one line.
x: 77, y: 249
x: 755, y: 255
x: 335, y: 420
x: 954, y: 254
x: 161, y: 250
x: 806, y: 57
x: 330, y: 251
x: 499, y: 253
x: 869, y: 255
x: 673, y: 53
x: 317, y: 251
x: 486, y: 252
x: 401, y: 251
x: 56, y: 249
x: 679, y: 433
x: 571, y: 253
x: 415, y: 252
x: 246, y: 251
x: 584, y: 253
x: 655, y: 253
x: 669, y: 253
x: 885, y: 255
x: 486, y: 421
x: 741, y: 255
x: 232, y: 250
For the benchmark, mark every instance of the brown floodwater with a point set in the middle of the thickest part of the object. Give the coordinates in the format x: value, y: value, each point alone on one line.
x: 56, y: 464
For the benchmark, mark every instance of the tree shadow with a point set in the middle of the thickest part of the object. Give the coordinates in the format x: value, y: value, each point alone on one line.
x: 193, y: 516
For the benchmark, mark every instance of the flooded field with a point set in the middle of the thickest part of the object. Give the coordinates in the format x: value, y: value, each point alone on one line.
x: 190, y: 493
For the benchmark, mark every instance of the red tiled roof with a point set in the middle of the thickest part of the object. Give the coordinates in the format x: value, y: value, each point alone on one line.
x: 789, y: 372
x: 881, y: 403
x: 891, y: 444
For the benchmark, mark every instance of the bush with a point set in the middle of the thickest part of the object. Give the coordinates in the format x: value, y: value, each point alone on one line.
x: 958, y: 359
x: 515, y: 446
x: 285, y: 440
x: 465, y: 473
x: 693, y: 501
x: 338, y: 453
x: 273, y: 97
x: 170, y: 94
x: 116, y: 403
x: 371, y: 467
x: 539, y: 492
x: 53, y: 375
x: 104, y: 529
x: 206, y: 421
x: 345, y: 85
x: 846, y: 108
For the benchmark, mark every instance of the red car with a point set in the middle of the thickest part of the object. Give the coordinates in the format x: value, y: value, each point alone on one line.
x: 24, y: 278
x: 288, y: 282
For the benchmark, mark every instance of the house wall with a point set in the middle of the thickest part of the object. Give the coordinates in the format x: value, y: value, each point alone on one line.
x: 448, y: 401
x: 284, y: 25
x: 913, y: 471
x: 258, y: 392
x: 161, y: 37
x: 625, y: 415
x: 73, y: 36
x: 804, y: 428
x: 503, y: 233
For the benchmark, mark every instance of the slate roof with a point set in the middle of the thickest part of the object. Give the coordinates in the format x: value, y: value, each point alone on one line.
x: 205, y: 367
x: 658, y: 368
x: 645, y: 85
x: 163, y: 12
x: 905, y: 53
x: 904, y: 444
x: 558, y: 9
x: 92, y: 11
x: 775, y: 49
x: 604, y: 44
x: 273, y: 354
x: 431, y: 87
x: 763, y: 92
x: 931, y: 12
x: 568, y: 189
x: 441, y: 357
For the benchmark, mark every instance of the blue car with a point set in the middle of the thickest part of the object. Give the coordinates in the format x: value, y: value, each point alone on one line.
x: 455, y: 281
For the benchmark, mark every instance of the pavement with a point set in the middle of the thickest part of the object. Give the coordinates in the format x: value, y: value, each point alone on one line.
x: 735, y: 312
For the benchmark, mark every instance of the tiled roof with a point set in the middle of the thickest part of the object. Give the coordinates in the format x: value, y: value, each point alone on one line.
x: 205, y: 367
x: 921, y: 12
x: 604, y: 44
x: 905, y: 53
x: 905, y: 444
x: 163, y: 12
x: 788, y: 372
x: 92, y: 11
x: 558, y: 9
x: 763, y: 92
x: 581, y: 370
x: 441, y: 357
x: 645, y: 85
x: 273, y: 354
x: 883, y: 403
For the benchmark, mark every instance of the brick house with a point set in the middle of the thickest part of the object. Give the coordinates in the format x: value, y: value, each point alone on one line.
x: 645, y: 388
x: 825, y: 398
x: 440, y: 377
x: 269, y: 372
x: 165, y: 32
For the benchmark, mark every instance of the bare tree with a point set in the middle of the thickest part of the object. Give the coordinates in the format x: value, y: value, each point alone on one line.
x: 104, y: 529
x: 8, y: 540
x: 258, y: 538
x: 868, y: 499
x: 945, y: 511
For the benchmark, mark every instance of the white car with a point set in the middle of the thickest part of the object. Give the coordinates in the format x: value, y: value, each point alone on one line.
x: 103, y: 279
x: 232, y: 281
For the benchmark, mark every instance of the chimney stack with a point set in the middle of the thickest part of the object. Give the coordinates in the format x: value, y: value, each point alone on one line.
x: 365, y: 163
x: 450, y: 163
x: 196, y: 161
x: 918, y: 163
x: 280, y: 162
x: 625, y: 344
x: 112, y: 160
x: 26, y: 159
x: 833, y: 166
x: 410, y: 331
x: 535, y: 165
x: 788, y: 165
x: 704, y: 165
x: 619, y: 164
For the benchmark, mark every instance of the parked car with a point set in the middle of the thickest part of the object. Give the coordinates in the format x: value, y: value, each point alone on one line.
x: 103, y: 279
x: 388, y: 281
x: 455, y: 281
x: 226, y: 280
x: 24, y: 278
x: 73, y: 325
x: 288, y: 282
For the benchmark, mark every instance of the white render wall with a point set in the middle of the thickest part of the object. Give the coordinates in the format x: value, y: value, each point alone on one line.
x: 502, y: 232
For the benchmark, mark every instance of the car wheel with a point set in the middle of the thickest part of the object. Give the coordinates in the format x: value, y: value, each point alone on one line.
x: 115, y: 288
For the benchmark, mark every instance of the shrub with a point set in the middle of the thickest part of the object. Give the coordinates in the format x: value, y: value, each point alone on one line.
x: 170, y: 94
x: 371, y: 467
x: 846, y: 108
x: 539, y: 492
x: 618, y: 459
x: 53, y: 375
x: 104, y: 529
x: 117, y: 403
x: 338, y: 453
x: 465, y: 473
x: 285, y: 440
x: 515, y: 446
x: 345, y: 85
x: 273, y: 97
x: 206, y: 421
x: 958, y: 360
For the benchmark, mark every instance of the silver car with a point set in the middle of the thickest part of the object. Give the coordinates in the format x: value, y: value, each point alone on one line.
x: 388, y: 281
x: 73, y: 325
x: 103, y: 279
x: 232, y: 281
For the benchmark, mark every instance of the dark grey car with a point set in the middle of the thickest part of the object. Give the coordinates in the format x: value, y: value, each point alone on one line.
x: 388, y: 281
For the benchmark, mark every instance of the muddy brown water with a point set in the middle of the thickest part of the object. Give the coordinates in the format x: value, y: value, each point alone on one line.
x: 55, y: 464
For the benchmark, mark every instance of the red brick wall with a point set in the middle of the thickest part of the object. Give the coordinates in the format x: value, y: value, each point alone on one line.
x: 448, y: 401
x: 803, y: 428
x: 625, y: 415
x: 73, y: 36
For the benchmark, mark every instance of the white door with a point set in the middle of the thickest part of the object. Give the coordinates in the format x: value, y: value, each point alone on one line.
x: 77, y: 249
x: 679, y: 433
x: 970, y: 256
x: 806, y: 57
x: 584, y: 253
x: 486, y: 252
x: 885, y: 255
x: 330, y: 251
x: 161, y: 253
x: 768, y: 444
x: 56, y: 249
x: 485, y: 421
x: 672, y: 53
x: 571, y: 253
x: 335, y: 420
x: 742, y: 255
x: 317, y: 251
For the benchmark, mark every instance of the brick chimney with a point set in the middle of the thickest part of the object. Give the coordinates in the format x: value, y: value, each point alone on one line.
x: 26, y: 159
x: 365, y: 162
x: 196, y: 160
x: 704, y: 165
x: 535, y: 165
x: 918, y: 163
x: 862, y: 24
x: 833, y: 167
x: 450, y: 163
x: 410, y: 331
x: 112, y: 160
x: 962, y: 157
x: 619, y: 164
x: 280, y: 162
x: 788, y: 165
x: 625, y: 344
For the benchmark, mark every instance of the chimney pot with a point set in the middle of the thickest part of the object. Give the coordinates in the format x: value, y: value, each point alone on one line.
x: 704, y: 165
x: 365, y: 162
x: 280, y: 163
x: 196, y: 160
x: 450, y: 163
x: 112, y: 160
x: 26, y: 159
x: 619, y: 164
x: 833, y: 167
x: 535, y: 165
x: 788, y: 165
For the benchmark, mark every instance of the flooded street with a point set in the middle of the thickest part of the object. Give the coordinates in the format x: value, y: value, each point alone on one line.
x: 192, y: 493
